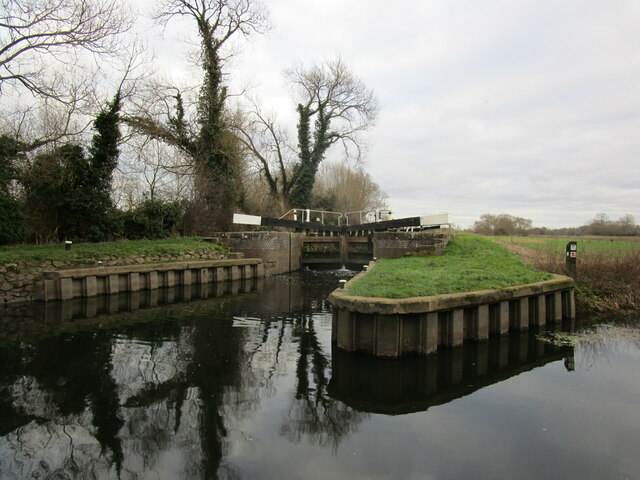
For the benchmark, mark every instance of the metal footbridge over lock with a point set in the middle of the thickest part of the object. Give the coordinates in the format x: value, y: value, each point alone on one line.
x: 357, y: 237
x: 349, y: 223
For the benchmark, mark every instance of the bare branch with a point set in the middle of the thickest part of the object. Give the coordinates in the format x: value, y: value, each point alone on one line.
x: 266, y: 144
x: 218, y: 20
x: 33, y: 32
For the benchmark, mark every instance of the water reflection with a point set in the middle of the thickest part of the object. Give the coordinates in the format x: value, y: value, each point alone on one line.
x: 415, y: 384
x: 164, y: 387
x: 241, y: 383
x: 28, y: 320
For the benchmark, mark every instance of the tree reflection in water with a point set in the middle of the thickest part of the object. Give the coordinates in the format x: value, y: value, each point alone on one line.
x: 313, y: 412
x: 294, y: 334
x: 166, y: 396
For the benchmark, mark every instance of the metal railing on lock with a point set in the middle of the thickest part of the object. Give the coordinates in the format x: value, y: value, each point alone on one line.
x: 324, y: 217
x: 314, y: 216
x: 367, y: 216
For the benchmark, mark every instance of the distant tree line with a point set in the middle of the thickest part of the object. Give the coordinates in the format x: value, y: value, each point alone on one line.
x: 159, y: 159
x: 601, y: 224
x: 502, y: 224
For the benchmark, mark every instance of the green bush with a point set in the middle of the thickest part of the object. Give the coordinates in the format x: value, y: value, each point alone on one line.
x: 11, y: 221
x: 153, y: 219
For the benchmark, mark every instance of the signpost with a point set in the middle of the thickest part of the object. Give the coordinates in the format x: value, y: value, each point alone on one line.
x: 570, y: 261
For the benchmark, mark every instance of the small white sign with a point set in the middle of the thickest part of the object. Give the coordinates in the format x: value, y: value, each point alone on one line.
x: 439, y: 219
x: 242, y: 219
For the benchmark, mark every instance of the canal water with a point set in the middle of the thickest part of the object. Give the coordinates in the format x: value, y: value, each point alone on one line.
x: 239, y: 381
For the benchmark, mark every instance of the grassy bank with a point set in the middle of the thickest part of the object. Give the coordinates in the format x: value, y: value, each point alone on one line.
x: 608, y: 269
x: 87, y: 253
x: 470, y: 263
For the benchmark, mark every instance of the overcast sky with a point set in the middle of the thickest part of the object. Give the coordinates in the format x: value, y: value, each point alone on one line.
x: 527, y: 107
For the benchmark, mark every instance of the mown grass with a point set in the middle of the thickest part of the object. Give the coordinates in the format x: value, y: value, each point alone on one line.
x: 470, y: 263
x: 607, y: 269
x: 85, y: 253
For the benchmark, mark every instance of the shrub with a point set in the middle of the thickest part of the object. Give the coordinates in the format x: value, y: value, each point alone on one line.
x: 11, y: 221
x: 61, y: 199
x: 153, y: 219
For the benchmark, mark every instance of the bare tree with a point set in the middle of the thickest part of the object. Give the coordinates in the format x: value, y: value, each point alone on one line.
x: 273, y: 157
x: 47, y: 120
x: 627, y: 225
x: 153, y: 169
x: 602, y: 224
x: 35, y: 33
x: 502, y: 224
x: 340, y: 106
x: 348, y: 188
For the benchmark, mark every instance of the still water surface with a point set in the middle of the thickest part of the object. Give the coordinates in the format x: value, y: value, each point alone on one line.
x: 246, y: 386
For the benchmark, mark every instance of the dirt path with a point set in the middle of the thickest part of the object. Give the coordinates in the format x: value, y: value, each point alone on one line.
x: 527, y: 255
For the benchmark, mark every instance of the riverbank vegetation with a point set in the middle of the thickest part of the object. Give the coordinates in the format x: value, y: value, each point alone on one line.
x: 91, y: 253
x: 607, y: 269
x: 469, y: 263
x: 99, y: 149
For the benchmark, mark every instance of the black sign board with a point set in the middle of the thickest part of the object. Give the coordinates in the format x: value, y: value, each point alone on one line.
x: 572, y: 255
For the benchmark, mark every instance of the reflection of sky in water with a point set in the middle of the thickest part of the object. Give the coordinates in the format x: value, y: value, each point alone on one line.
x: 44, y: 450
x: 139, y: 364
x: 245, y: 390
x: 153, y: 439
x: 545, y: 423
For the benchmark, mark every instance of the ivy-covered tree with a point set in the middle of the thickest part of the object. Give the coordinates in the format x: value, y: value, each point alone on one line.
x: 333, y: 107
x: 67, y: 193
x: 11, y: 218
x: 205, y: 138
x: 103, y: 161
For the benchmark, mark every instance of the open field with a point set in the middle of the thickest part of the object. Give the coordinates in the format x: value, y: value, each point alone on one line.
x: 86, y: 253
x: 587, y: 245
x: 607, y: 268
x: 469, y: 263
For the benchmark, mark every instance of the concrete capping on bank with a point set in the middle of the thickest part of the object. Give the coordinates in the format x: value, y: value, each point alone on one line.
x: 389, y: 306
x: 89, y: 282
x: 388, y: 327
